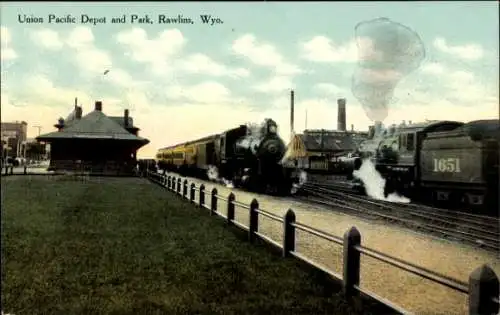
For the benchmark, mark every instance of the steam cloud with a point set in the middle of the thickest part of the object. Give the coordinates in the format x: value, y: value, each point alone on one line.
x: 213, y: 175
x: 375, y: 184
x: 388, y: 51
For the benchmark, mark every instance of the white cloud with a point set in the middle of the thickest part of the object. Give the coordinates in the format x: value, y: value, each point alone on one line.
x: 80, y: 37
x: 207, y: 92
x: 93, y: 60
x: 120, y: 77
x: 156, y: 52
x: 202, y: 64
x: 331, y: 89
x: 322, y: 49
x: 7, y: 52
x: 277, y: 84
x: 263, y: 54
x: 433, y: 68
x: 467, y: 51
x: 47, y: 38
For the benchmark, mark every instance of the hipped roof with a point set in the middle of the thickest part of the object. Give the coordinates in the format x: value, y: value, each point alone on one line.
x: 95, y: 125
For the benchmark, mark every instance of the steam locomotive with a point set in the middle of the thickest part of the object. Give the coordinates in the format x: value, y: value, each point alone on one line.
x: 248, y: 157
x: 447, y: 162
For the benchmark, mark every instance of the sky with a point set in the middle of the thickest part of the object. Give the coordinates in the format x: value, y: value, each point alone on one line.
x: 182, y: 81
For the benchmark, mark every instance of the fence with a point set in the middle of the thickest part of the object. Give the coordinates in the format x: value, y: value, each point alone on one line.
x: 482, y: 288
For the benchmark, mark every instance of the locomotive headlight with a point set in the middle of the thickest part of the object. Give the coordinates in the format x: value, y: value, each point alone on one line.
x: 272, y: 129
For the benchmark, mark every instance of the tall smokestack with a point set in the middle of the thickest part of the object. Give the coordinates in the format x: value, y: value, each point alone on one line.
x: 292, y: 104
x: 76, y: 102
x: 341, y: 119
x: 98, y: 106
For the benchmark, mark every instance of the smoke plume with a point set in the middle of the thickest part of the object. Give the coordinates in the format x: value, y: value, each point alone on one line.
x: 388, y: 51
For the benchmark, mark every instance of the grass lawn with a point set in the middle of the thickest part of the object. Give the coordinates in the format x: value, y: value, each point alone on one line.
x: 126, y: 246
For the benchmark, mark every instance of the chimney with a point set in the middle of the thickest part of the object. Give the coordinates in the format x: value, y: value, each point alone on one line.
x: 125, y: 118
x: 341, y: 118
x: 98, y: 106
x: 292, y: 104
x: 78, y: 112
x: 76, y: 102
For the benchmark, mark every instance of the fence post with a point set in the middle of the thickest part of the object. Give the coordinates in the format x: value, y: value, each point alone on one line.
x: 11, y: 170
x: 352, y: 238
x: 25, y: 170
x: 202, y: 195
x: 213, y: 202
x: 191, y: 193
x: 172, y: 183
x: 288, y: 233
x: 185, y: 189
x: 253, y: 220
x: 179, y: 183
x: 483, y: 287
x: 6, y: 170
x: 230, y: 208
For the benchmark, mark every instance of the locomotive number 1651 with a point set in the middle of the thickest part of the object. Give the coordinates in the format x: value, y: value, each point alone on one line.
x: 447, y: 165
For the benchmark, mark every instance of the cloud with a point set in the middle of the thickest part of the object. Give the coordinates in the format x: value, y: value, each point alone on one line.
x: 467, y: 51
x: 202, y: 64
x: 206, y: 92
x: 7, y: 52
x: 433, y: 68
x: 331, y: 90
x: 263, y: 54
x: 80, y: 37
x: 120, y: 77
x: 155, y: 52
x: 322, y: 49
x: 47, y: 38
x: 90, y: 59
x: 277, y: 84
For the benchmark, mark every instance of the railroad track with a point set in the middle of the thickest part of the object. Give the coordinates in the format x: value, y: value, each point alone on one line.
x: 479, y: 230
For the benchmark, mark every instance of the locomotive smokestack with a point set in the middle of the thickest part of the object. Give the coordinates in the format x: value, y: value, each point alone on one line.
x: 341, y: 118
x: 292, y: 104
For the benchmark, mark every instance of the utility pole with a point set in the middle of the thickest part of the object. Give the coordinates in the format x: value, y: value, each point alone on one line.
x: 39, y: 128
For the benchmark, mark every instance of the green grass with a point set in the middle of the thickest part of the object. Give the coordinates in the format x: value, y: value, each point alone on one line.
x: 126, y: 246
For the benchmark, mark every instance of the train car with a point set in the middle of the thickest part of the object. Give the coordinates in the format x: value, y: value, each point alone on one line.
x: 397, y: 155
x: 248, y: 157
x: 448, y: 162
x: 462, y: 166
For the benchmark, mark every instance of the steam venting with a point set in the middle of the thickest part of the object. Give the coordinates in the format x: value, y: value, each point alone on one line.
x: 388, y: 51
x: 374, y: 183
x: 213, y: 175
x: 302, y: 180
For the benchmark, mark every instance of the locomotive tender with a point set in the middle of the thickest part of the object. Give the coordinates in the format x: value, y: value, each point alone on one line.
x: 447, y: 161
x: 248, y: 157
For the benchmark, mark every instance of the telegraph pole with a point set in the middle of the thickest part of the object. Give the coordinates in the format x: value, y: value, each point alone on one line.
x: 39, y: 128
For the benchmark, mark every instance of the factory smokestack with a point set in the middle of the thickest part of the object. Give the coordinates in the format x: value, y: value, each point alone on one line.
x: 292, y: 104
x: 341, y: 118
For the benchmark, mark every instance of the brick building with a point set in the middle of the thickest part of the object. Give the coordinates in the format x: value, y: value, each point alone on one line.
x: 14, y: 135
